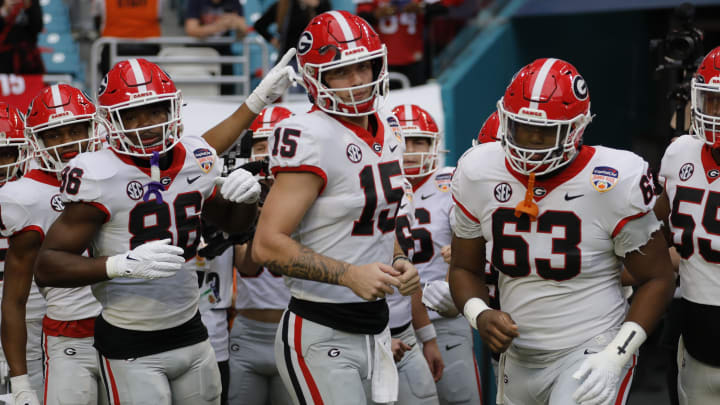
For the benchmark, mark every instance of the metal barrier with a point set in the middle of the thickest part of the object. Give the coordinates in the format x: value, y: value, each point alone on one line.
x: 243, y: 59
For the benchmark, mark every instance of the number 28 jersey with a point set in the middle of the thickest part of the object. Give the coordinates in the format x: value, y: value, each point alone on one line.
x: 114, y: 184
x: 559, y: 275
x: 353, y: 217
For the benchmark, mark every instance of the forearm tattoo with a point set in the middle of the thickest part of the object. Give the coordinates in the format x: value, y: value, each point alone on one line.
x: 309, y: 265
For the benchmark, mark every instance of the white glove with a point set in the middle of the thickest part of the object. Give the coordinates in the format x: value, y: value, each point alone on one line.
x: 601, y: 371
x: 436, y: 296
x: 239, y: 187
x: 22, y: 393
x: 278, y: 79
x: 150, y: 260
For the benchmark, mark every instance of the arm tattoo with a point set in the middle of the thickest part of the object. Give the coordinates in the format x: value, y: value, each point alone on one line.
x: 309, y: 265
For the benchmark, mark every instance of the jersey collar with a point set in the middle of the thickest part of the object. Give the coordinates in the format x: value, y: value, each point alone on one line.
x: 368, y: 137
x: 576, y: 166
x: 43, y: 177
x: 178, y: 160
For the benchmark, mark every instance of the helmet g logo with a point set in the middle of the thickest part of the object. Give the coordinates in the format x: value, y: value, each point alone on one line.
x: 580, y: 88
x: 304, y: 43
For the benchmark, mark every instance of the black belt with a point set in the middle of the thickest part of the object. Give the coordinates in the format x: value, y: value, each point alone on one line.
x: 399, y: 329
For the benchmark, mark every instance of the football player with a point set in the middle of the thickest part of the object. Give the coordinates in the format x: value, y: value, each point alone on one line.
x: 24, y: 308
x: 414, y: 340
x: 690, y: 166
x: 138, y: 203
x: 262, y: 296
x: 61, y: 123
x: 338, y: 185
x: 562, y: 218
x: 431, y: 232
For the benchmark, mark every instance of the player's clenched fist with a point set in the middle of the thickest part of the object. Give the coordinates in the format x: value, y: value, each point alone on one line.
x: 409, y: 277
x: 371, y: 281
x: 156, y: 259
x: 497, y: 329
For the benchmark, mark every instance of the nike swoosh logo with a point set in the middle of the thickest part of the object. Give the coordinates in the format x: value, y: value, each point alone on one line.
x: 589, y: 352
x: 392, y: 148
x: 130, y: 258
x: 192, y: 180
x: 450, y: 347
x: 403, y: 206
x: 572, y: 197
x: 425, y: 197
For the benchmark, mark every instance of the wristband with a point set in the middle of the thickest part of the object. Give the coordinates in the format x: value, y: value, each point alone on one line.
x: 426, y: 333
x: 20, y: 383
x: 400, y: 257
x: 474, y: 307
x: 626, y: 343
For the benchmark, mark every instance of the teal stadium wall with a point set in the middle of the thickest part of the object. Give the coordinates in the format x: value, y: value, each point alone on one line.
x: 609, y: 49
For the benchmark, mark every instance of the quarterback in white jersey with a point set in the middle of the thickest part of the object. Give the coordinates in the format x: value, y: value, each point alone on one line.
x: 138, y: 206
x: 690, y: 169
x: 562, y: 219
x: 338, y: 185
x: 430, y: 233
x: 23, y: 307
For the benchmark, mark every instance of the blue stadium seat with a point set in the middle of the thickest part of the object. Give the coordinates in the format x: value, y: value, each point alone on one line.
x: 58, y: 42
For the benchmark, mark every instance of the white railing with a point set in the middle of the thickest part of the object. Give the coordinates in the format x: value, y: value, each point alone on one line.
x: 244, y: 59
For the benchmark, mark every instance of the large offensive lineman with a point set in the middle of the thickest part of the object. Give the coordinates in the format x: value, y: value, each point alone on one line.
x: 562, y: 219
x: 431, y: 232
x: 26, y: 365
x: 138, y: 204
x: 338, y: 185
x: 61, y: 123
x: 689, y: 205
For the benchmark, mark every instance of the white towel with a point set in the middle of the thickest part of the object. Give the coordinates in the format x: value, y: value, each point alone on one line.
x: 384, y: 372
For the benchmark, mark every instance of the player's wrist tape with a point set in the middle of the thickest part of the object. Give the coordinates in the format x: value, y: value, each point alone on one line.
x: 20, y: 383
x: 400, y: 257
x: 626, y: 343
x: 474, y: 307
x: 254, y: 103
x: 426, y: 333
x: 112, y: 266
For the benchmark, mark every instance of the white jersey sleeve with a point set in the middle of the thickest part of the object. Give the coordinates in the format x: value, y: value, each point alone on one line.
x: 295, y: 147
x: 467, y: 225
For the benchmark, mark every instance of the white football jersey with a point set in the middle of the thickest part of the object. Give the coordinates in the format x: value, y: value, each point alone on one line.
x: 114, y: 184
x: 400, y: 305
x: 264, y: 290
x: 560, y: 274
x: 353, y: 218
x: 690, y: 176
x: 33, y: 203
x: 216, y: 276
x: 432, y: 227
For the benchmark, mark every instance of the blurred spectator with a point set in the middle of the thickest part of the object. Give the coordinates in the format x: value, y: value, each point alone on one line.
x: 130, y: 19
x: 401, y: 26
x: 290, y: 18
x: 20, y: 24
x: 82, y: 23
x: 204, y: 18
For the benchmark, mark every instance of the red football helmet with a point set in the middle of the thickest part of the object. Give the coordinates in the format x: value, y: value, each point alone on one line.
x: 705, y: 99
x: 57, y: 106
x: 490, y: 130
x: 136, y: 83
x: 418, y: 123
x: 13, y: 140
x: 335, y: 39
x: 262, y: 126
x: 547, y: 97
